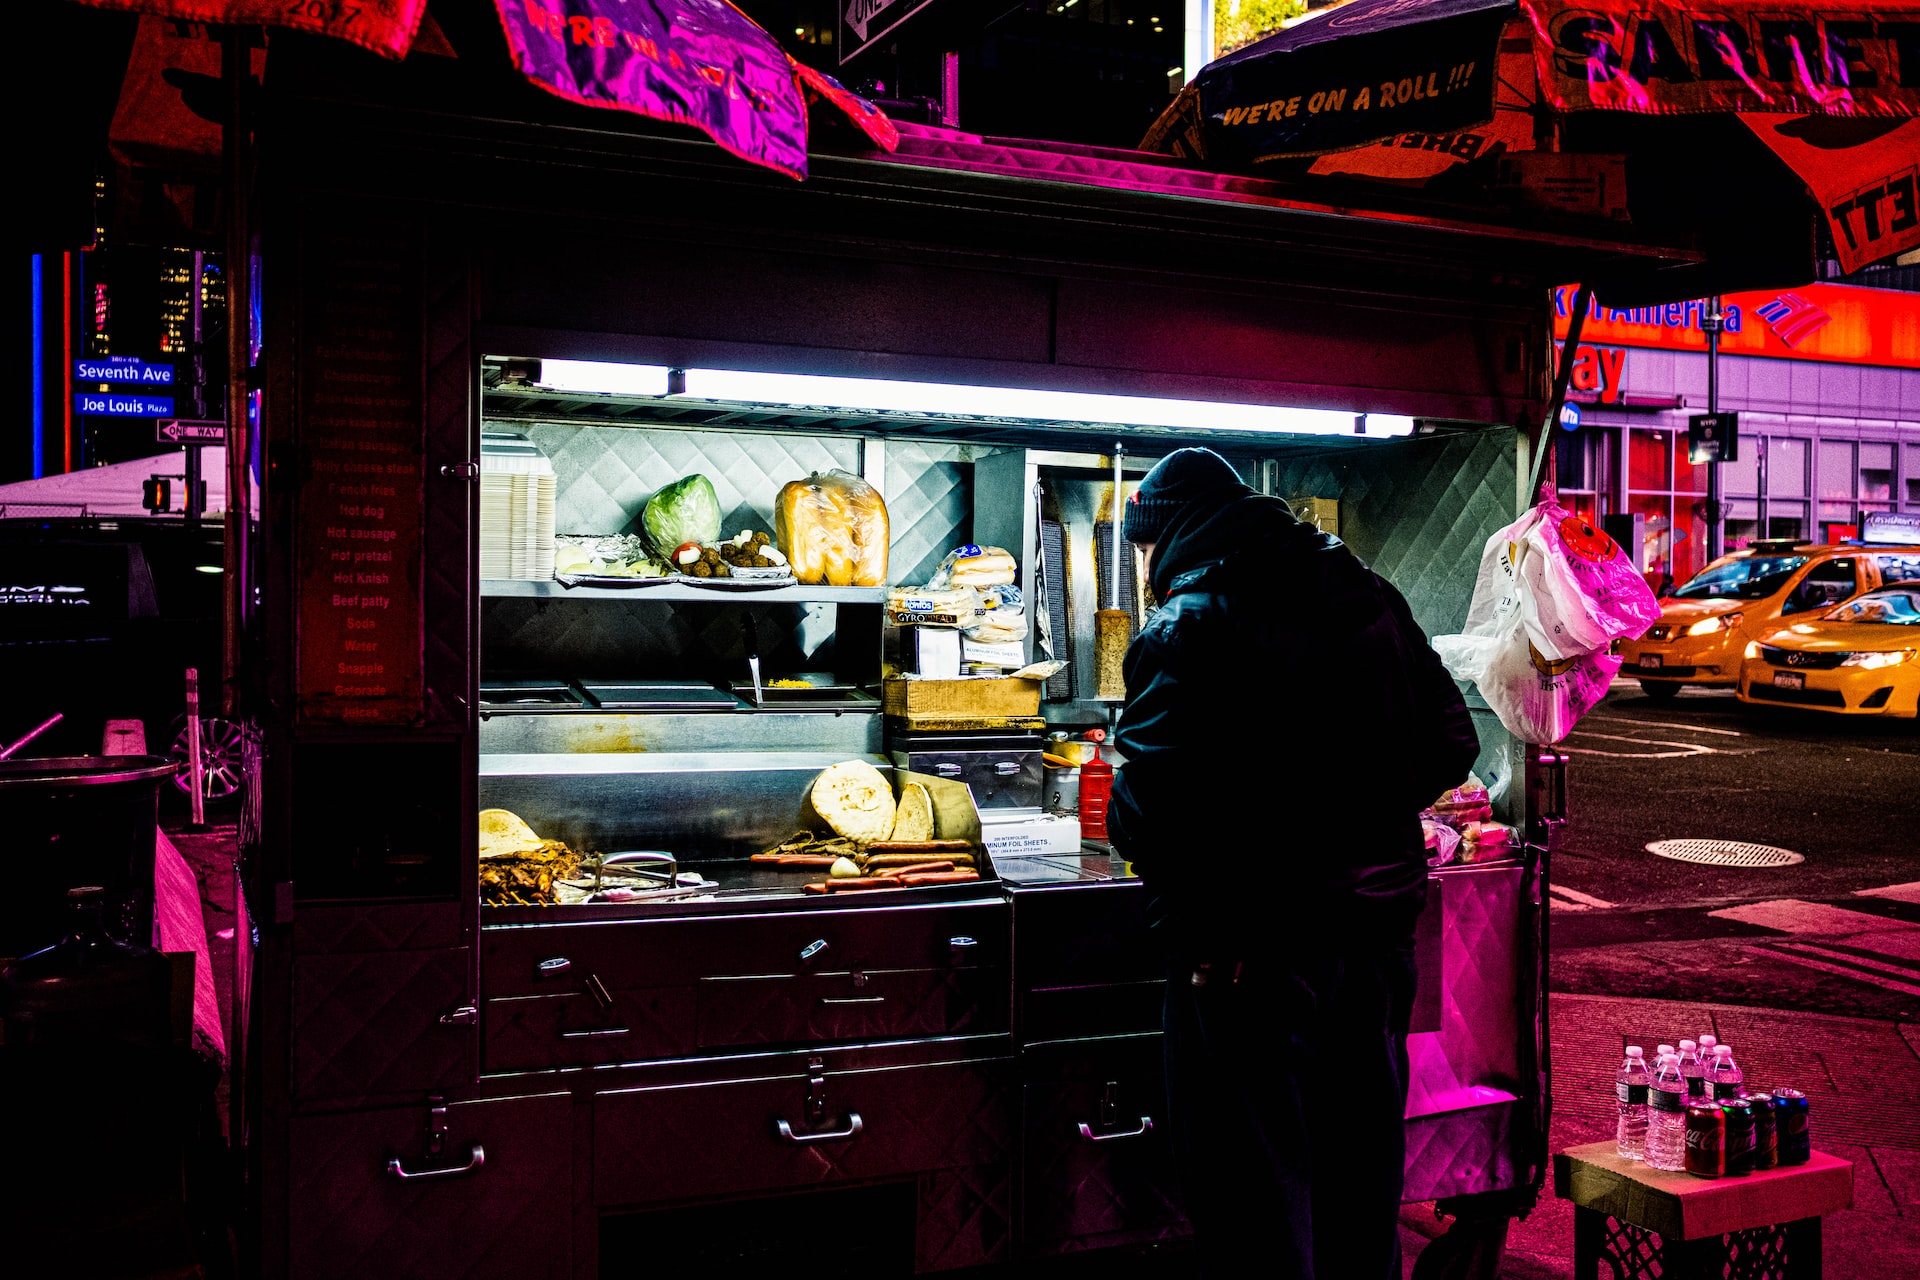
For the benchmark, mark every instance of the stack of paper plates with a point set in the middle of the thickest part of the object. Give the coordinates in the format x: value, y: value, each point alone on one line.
x: 516, y: 508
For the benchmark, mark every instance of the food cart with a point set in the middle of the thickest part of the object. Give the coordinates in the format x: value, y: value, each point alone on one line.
x: 927, y: 1078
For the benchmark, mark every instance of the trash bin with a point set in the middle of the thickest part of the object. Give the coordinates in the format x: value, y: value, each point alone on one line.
x: 77, y: 820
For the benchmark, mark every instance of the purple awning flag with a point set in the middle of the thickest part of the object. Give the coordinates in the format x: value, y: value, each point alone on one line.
x: 696, y: 62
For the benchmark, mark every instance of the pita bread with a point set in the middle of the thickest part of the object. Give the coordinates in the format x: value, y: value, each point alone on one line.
x: 503, y: 833
x: 913, y: 820
x: 855, y: 800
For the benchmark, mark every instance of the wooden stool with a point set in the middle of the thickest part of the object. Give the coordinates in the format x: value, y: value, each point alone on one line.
x: 1645, y: 1222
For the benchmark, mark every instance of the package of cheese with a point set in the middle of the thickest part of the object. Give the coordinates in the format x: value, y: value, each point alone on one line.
x: 832, y: 526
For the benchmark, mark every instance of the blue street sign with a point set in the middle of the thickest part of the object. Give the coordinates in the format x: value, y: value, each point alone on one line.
x: 123, y: 369
x: 123, y: 404
x: 1570, y: 416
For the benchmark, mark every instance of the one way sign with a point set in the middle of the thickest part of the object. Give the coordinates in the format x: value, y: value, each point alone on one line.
x: 189, y: 431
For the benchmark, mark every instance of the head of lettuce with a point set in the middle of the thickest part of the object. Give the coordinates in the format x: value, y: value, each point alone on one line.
x: 685, y: 511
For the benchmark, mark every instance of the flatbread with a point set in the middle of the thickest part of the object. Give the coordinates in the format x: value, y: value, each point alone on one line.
x: 503, y: 832
x: 854, y: 799
x: 913, y: 820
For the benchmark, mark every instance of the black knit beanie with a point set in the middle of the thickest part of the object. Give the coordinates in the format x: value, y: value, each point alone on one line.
x: 1183, y: 478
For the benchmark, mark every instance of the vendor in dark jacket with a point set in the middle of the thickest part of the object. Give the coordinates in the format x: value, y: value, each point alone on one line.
x: 1286, y: 721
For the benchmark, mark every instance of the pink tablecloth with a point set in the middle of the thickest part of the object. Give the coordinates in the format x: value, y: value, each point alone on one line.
x: 179, y: 926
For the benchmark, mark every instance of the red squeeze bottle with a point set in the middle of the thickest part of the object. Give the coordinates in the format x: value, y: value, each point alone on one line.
x: 1096, y: 787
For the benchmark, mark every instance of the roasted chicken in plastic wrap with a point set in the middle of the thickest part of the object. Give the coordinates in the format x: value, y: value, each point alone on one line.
x: 517, y: 867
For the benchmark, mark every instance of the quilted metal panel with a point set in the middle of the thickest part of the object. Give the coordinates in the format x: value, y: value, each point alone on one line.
x: 1418, y: 510
x: 508, y: 1220
x: 376, y: 926
x: 368, y: 1024
x: 720, y: 1139
x: 1460, y: 1153
x: 965, y: 1217
x: 604, y: 475
x: 929, y: 493
x: 1478, y: 1044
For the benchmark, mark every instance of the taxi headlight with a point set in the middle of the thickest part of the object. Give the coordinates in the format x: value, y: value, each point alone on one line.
x: 1721, y: 622
x: 1753, y: 649
x: 1889, y: 658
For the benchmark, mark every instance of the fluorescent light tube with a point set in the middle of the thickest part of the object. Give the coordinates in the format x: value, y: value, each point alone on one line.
x: 878, y: 395
x: 600, y: 376
x: 884, y: 395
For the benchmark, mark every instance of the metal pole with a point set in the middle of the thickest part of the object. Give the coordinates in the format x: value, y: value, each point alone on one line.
x: 1716, y: 541
x: 196, y: 767
x: 197, y: 365
x: 235, y: 157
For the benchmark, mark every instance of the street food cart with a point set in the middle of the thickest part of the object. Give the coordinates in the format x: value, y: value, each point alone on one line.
x: 930, y: 1077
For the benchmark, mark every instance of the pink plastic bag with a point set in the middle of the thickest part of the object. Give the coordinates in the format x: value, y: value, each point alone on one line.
x: 1552, y: 594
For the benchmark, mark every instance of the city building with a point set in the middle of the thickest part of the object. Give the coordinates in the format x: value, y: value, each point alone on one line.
x: 1825, y: 378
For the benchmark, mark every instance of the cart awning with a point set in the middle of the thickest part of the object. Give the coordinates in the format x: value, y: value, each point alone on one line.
x: 702, y: 63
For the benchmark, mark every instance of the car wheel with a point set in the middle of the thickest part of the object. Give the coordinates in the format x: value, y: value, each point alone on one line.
x: 1660, y: 690
x: 223, y: 773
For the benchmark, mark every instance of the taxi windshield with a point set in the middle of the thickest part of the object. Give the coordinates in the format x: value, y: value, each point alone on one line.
x: 1899, y: 606
x: 1752, y: 578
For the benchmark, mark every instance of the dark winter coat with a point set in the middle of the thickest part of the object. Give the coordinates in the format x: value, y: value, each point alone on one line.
x: 1286, y: 722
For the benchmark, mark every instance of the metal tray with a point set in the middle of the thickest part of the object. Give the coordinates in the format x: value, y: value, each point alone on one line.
x: 657, y: 695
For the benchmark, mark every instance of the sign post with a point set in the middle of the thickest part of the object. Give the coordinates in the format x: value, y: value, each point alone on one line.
x: 1712, y: 322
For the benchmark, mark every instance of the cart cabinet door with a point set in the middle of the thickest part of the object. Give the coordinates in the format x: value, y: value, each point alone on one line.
x: 1096, y: 1160
x: 693, y: 1142
x: 368, y: 1201
x: 381, y: 1023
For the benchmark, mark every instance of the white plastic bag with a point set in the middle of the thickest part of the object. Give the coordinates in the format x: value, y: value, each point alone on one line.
x: 1551, y: 595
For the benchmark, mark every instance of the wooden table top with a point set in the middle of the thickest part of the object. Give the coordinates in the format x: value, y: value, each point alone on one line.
x: 1682, y: 1207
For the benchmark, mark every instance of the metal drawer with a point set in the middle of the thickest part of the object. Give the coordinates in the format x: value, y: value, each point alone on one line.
x: 574, y: 1029
x: 641, y: 954
x: 681, y: 1142
x: 999, y: 779
x: 864, y: 1005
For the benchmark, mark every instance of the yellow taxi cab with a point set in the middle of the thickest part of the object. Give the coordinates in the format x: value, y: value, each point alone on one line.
x: 1706, y: 625
x: 1860, y: 658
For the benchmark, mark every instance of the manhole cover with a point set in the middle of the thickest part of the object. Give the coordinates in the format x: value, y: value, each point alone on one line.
x: 1725, y: 853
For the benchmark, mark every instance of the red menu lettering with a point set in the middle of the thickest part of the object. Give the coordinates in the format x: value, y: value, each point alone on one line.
x: 360, y: 635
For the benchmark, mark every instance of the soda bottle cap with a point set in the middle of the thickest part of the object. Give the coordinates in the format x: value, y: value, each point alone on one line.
x: 1688, y: 1045
x: 1723, y: 1051
x: 1663, y: 1050
x: 1709, y: 1040
x: 1635, y: 1051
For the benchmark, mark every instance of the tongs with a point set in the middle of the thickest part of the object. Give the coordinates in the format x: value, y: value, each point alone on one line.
x: 647, y: 865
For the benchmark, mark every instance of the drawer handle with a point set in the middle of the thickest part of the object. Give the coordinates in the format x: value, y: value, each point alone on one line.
x: 588, y: 1033
x: 947, y: 770
x: 851, y: 1130
x: 1006, y: 768
x: 1145, y: 1127
x: 475, y: 1161
x: 853, y: 999
x: 553, y: 968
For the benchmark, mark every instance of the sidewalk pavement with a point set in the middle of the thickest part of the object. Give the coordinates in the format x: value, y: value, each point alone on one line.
x: 1861, y: 1077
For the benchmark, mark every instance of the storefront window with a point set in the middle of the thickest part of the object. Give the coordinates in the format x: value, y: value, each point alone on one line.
x: 1658, y: 557
x: 1876, y: 473
x: 1689, y: 554
x: 1581, y: 472
x: 1836, y: 471
x: 1687, y: 478
x: 1741, y: 477
x: 1743, y: 523
x: 1786, y: 468
x: 1786, y: 519
x: 1649, y: 459
x: 1912, y: 475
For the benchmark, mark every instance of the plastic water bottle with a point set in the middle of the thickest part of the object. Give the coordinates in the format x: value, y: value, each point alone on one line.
x: 1666, y: 1145
x: 1631, y: 1087
x: 1723, y: 1077
x: 1694, y: 1070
